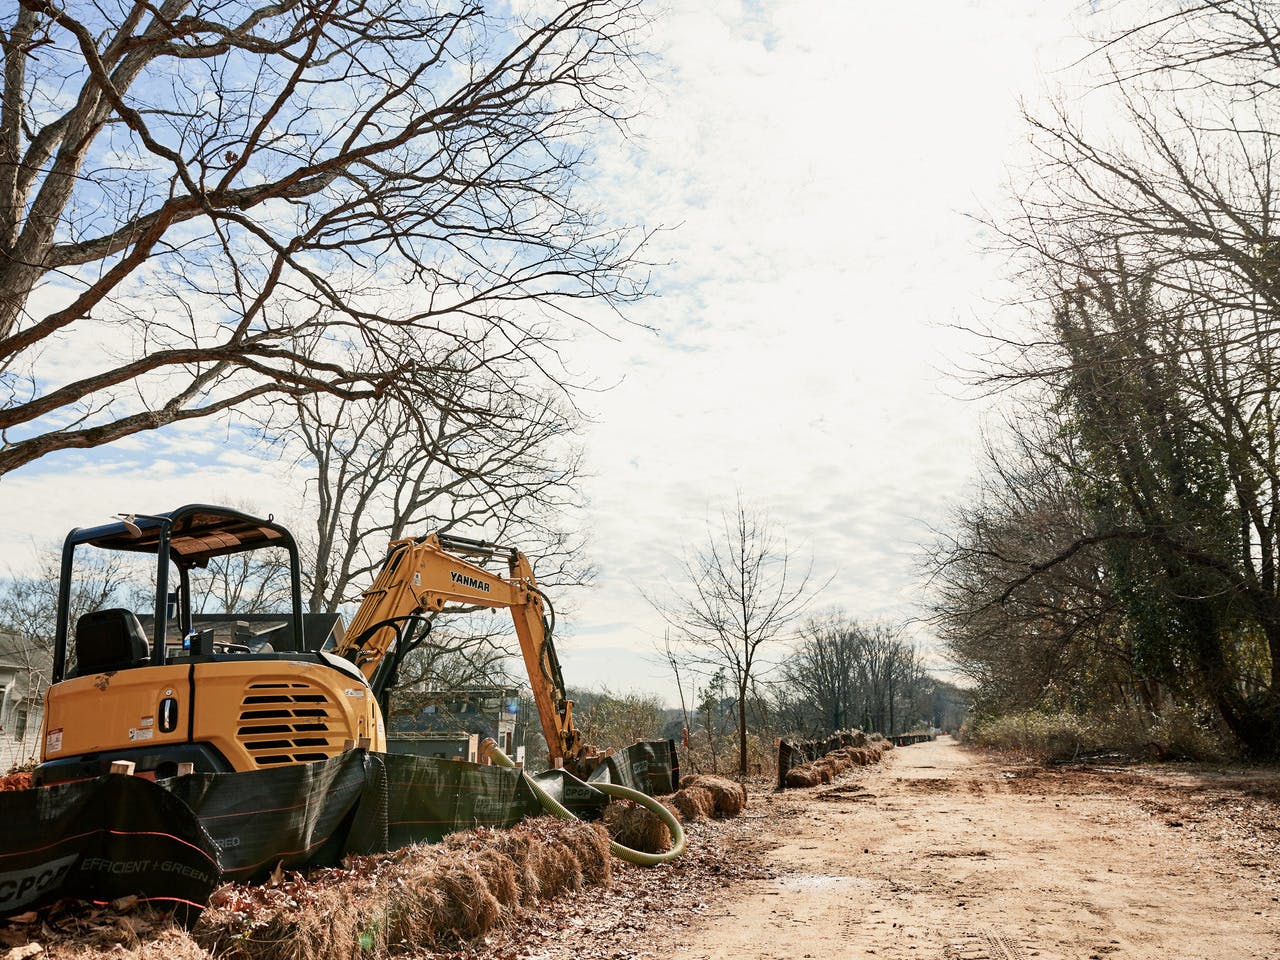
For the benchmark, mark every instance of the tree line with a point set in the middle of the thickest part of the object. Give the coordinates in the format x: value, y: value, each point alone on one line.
x: 1121, y: 554
x: 329, y: 211
x: 752, y: 662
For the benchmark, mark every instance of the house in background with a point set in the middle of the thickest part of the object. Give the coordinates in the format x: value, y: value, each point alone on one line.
x: 24, y: 678
x: 451, y: 723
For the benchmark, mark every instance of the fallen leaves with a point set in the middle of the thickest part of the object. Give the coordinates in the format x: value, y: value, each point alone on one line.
x: 16, y: 781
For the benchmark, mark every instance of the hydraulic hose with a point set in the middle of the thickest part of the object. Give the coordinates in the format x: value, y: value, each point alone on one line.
x: 555, y: 807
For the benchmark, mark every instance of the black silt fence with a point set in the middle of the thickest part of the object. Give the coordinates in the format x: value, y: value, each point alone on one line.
x: 173, y: 841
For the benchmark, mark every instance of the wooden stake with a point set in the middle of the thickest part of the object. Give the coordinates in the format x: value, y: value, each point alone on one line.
x: 125, y: 767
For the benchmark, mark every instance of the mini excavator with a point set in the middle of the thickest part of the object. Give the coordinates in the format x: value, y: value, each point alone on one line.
x: 164, y: 693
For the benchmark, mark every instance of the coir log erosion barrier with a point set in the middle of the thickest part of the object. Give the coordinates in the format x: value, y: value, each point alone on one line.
x: 906, y: 739
x: 794, y: 753
x: 173, y: 841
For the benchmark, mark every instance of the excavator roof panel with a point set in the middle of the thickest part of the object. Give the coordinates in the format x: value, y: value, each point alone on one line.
x: 197, y: 532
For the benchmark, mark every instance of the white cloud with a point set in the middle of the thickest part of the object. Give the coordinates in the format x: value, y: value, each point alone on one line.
x: 819, y: 161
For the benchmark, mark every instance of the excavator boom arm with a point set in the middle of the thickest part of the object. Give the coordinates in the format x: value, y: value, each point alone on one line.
x: 424, y: 576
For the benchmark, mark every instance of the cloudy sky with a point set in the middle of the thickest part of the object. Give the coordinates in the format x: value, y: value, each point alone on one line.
x: 814, y: 166
x: 821, y: 162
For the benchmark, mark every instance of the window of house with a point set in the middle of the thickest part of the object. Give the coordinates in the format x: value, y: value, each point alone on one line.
x: 20, y: 724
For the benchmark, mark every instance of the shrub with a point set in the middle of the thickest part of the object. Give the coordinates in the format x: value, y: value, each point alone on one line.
x: 1178, y: 733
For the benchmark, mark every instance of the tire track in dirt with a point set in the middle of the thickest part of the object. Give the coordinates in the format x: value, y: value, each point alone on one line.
x: 942, y: 854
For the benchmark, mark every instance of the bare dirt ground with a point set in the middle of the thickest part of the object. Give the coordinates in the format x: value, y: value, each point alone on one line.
x: 943, y: 853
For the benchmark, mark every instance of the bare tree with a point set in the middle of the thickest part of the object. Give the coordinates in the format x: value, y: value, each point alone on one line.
x: 204, y: 205
x: 451, y: 659
x: 671, y: 656
x: 257, y: 582
x: 739, y: 594
x: 844, y: 672
x: 29, y: 602
x: 824, y: 670
x: 1017, y: 636
x: 28, y: 623
x: 489, y: 464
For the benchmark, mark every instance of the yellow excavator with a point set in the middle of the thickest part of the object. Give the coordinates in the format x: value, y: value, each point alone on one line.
x: 164, y: 691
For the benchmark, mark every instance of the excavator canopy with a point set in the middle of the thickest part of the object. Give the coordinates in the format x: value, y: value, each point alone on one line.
x: 196, y: 533
x: 188, y: 537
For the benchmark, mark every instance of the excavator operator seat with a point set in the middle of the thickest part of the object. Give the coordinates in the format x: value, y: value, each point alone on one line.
x: 108, y: 640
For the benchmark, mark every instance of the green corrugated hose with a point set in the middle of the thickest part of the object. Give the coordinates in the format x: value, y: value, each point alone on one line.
x: 554, y: 806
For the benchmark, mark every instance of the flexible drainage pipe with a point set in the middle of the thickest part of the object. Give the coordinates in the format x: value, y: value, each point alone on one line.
x: 554, y: 806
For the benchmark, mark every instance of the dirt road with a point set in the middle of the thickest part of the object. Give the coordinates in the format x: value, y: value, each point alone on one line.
x: 941, y: 854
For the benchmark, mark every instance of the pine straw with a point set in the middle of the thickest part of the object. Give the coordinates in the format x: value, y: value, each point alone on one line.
x: 71, y: 930
x: 635, y: 827
x: 421, y: 896
x: 169, y: 942
x: 805, y: 775
x: 729, y: 796
x: 699, y: 797
x: 692, y: 803
x: 405, y: 901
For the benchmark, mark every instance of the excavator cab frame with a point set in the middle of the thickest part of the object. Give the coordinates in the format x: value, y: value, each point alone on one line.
x: 136, y: 694
x: 188, y: 538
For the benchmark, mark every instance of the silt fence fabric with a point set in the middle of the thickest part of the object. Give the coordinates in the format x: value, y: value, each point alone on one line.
x: 174, y: 841
x: 650, y: 766
x: 100, y: 840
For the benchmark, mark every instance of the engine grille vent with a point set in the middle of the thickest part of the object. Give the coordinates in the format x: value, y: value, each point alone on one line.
x: 287, y: 721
